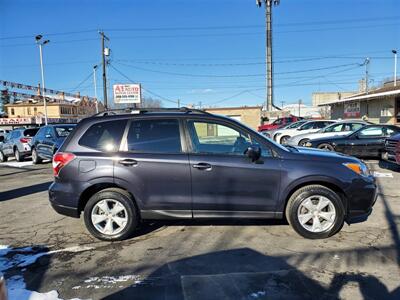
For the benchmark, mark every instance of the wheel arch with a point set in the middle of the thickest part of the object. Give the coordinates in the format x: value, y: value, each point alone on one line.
x: 330, y: 183
x: 97, y: 187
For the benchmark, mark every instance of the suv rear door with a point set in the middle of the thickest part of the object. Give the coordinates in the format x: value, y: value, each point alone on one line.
x: 153, y: 166
x: 225, y: 182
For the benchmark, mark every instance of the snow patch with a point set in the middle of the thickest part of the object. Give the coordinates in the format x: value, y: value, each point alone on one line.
x: 23, y: 257
x: 108, y: 281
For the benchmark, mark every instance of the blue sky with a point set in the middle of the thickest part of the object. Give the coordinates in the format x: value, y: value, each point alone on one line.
x: 206, y: 51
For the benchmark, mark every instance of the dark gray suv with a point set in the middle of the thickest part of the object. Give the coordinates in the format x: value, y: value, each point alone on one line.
x: 119, y: 169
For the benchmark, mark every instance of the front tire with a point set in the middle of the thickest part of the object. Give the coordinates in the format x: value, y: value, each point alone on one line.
x: 3, y: 158
x: 315, y: 212
x: 110, y: 215
x: 284, y: 140
x: 303, y: 142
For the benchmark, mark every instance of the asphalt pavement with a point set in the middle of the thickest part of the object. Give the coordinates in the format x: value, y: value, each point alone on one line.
x: 195, y: 260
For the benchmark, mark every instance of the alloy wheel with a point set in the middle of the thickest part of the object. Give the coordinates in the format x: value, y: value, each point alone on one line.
x: 316, y: 214
x: 109, y: 216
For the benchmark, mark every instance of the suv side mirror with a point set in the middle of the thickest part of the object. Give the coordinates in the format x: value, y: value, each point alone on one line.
x: 253, y: 152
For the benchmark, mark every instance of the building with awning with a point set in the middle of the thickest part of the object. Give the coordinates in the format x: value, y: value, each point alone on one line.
x: 381, y: 105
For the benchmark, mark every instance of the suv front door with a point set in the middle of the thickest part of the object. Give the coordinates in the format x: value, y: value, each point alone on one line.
x: 225, y: 182
x: 153, y: 166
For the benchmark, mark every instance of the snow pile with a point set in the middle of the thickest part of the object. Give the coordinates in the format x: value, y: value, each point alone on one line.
x: 109, y: 281
x: 21, y: 258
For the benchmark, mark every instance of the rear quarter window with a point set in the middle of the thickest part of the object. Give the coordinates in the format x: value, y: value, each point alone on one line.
x: 31, y: 132
x: 104, y: 136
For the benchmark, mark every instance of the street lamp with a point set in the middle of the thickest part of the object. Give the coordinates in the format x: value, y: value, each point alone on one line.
x: 395, y: 67
x: 40, y: 43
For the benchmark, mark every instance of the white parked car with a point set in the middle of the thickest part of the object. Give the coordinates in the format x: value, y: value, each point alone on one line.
x: 339, y: 128
x: 271, y: 133
x: 283, y: 136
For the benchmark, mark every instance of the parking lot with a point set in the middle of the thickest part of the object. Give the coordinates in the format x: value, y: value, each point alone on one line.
x: 195, y: 260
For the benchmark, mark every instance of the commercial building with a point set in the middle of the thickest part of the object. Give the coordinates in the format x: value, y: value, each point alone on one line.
x: 381, y: 105
x: 248, y: 115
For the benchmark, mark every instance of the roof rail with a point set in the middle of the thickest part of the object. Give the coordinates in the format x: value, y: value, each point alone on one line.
x: 146, y: 110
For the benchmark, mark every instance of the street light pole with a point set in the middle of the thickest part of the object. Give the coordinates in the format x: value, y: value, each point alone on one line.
x: 95, y: 88
x: 38, y: 38
x: 395, y: 67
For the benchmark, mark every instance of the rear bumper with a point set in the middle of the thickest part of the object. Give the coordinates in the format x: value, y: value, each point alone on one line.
x: 63, y: 200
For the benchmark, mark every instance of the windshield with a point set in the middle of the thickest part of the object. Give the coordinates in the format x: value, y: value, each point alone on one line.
x: 295, y: 125
x: 64, y: 131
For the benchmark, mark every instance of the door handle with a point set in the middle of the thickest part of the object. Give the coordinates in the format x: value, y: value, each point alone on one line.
x: 128, y: 162
x: 202, y: 166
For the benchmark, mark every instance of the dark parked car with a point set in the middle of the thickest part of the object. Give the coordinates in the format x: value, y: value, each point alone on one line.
x: 17, y: 144
x: 368, y: 141
x: 48, y: 140
x: 392, y: 149
x: 186, y: 164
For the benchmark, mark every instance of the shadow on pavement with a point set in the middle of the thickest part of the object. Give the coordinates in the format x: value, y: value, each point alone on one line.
x: 24, y: 191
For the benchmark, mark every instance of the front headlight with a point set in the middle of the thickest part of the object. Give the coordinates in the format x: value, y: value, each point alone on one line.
x: 359, y: 168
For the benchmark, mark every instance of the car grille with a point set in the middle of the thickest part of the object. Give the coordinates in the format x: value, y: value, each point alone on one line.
x: 391, y: 145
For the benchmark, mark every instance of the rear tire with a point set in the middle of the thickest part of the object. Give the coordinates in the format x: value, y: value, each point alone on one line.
x: 3, y: 158
x: 303, y: 142
x: 110, y: 215
x: 315, y: 212
x: 35, y: 157
x: 18, y: 156
x: 326, y: 146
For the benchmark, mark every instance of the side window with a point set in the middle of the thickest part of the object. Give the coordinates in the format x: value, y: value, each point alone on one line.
x: 334, y: 128
x: 307, y: 126
x: 104, y: 136
x: 371, y: 132
x: 320, y: 125
x: 215, y: 138
x: 154, y: 136
x: 355, y: 126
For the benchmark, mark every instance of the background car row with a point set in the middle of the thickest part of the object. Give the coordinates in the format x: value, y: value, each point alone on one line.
x: 40, y: 143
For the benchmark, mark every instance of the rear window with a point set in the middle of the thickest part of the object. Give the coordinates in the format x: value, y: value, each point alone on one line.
x: 104, y: 136
x: 154, y: 136
x: 64, y: 131
x: 30, y: 132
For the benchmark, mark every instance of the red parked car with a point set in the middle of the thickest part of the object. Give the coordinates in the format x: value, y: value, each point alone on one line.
x: 392, y: 149
x: 278, y: 123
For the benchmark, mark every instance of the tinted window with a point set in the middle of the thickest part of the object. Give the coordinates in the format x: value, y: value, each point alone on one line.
x: 319, y: 125
x: 104, y: 136
x: 210, y: 137
x: 334, y: 128
x: 64, y: 131
x: 371, y: 132
x: 154, y: 136
x: 354, y: 126
x: 40, y: 133
x: 308, y: 125
x: 30, y: 132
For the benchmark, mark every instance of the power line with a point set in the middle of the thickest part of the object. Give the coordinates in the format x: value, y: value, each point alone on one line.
x: 82, y: 82
x: 147, y: 90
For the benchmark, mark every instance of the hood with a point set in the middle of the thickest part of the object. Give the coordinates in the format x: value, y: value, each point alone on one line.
x: 316, y: 154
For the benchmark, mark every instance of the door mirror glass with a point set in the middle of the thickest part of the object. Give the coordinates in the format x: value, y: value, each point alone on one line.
x: 253, y: 152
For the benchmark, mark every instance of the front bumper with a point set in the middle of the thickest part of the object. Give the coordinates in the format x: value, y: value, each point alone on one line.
x: 361, y: 200
x: 391, y: 157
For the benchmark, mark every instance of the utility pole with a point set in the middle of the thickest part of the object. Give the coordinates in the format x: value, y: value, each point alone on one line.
x: 41, y: 44
x: 299, y: 106
x: 103, y: 56
x: 395, y: 67
x: 179, y: 103
x: 95, y: 88
x: 269, y: 73
x: 366, y: 63
x: 282, y: 103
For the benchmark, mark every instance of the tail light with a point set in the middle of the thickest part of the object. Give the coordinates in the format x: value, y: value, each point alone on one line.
x: 25, y: 140
x: 60, y: 160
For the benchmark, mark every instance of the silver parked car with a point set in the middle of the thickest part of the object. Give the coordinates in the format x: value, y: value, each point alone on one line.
x: 339, y: 128
x: 271, y: 133
x: 16, y: 144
